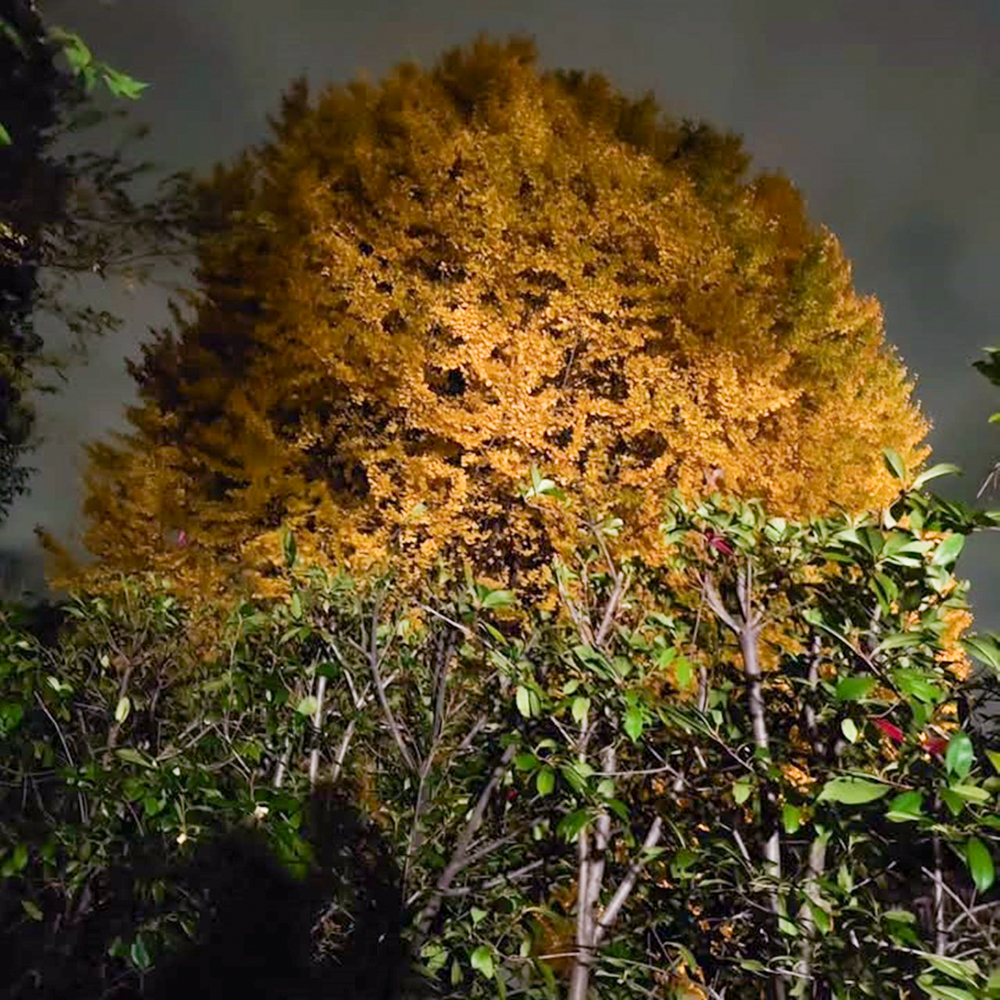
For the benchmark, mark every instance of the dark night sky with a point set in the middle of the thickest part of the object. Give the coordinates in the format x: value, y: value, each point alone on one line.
x: 886, y: 114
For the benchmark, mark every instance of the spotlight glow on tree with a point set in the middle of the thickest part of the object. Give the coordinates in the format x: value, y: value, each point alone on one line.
x: 418, y: 291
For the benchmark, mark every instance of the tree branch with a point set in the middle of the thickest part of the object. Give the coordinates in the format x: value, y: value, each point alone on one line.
x: 374, y: 662
x: 619, y: 899
x: 459, y: 856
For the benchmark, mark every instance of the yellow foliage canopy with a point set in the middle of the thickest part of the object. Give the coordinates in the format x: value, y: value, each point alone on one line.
x: 418, y: 290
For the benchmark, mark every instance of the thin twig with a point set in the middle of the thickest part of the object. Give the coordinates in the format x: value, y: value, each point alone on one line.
x: 69, y: 756
x: 458, y: 859
x: 628, y: 883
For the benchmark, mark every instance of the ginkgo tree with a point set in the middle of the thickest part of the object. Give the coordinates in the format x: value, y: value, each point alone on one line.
x: 421, y: 288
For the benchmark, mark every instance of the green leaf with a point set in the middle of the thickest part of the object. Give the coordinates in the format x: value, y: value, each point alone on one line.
x: 527, y: 701
x: 954, y: 968
x: 900, y: 640
x: 482, y: 960
x: 478, y: 915
x: 885, y: 590
x: 994, y: 759
x: 955, y: 803
x: 980, y: 862
x: 855, y: 688
x: 498, y: 599
x: 434, y: 955
x: 948, y: 551
x: 307, y: 706
x: 618, y: 808
x: 132, y: 756
x: 289, y: 548
x: 545, y: 781
x: 74, y: 48
x: 525, y: 762
x: 684, y: 672
x: 895, y: 465
x: 121, y: 84
x: 11, y: 714
x: 139, y: 953
x: 581, y: 706
x: 916, y: 684
x: 682, y: 860
x: 741, y: 791
x: 19, y: 858
x: 971, y: 793
x: 942, y: 469
x: 959, y: 757
x: 295, y: 605
x: 151, y: 805
x: 577, y: 773
x: 850, y: 730
x: 634, y: 722
x: 791, y: 818
x: 122, y: 709
x: 938, y: 992
x: 821, y: 918
x: 984, y: 648
x: 571, y: 824
x: 852, y: 791
x: 5, y: 139
x: 31, y: 909
x: 906, y: 807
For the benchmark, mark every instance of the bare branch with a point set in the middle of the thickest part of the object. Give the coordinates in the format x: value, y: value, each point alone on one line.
x: 714, y: 600
x: 374, y: 663
x: 620, y: 897
x: 940, y: 930
x: 317, y: 726
x: 611, y: 609
x: 459, y: 856
x: 69, y: 756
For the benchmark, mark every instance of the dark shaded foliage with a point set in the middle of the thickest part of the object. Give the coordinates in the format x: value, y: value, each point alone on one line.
x: 263, y: 933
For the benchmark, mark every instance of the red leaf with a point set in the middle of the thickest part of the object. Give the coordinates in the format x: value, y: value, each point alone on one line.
x: 182, y: 539
x: 893, y: 732
x: 936, y: 746
x: 718, y: 542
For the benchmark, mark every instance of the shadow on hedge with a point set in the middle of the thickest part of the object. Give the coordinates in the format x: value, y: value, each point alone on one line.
x: 263, y: 934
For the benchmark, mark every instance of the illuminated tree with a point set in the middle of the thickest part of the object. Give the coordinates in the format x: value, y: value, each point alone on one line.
x: 420, y: 290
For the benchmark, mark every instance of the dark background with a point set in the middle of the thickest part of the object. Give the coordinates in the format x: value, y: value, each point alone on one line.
x: 886, y: 114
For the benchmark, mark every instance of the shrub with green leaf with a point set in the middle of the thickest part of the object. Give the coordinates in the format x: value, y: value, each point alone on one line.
x: 746, y: 771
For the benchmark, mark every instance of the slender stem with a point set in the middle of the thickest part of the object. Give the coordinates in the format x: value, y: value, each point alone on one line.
x: 940, y: 931
x: 345, y: 742
x: 374, y: 662
x: 81, y: 801
x: 279, y: 771
x: 580, y: 979
x: 620, y: 897
x: 816, y: 866
x: 459, y: 857
x: 317, y: 727
x: 746, y: 628
x: 611, y: 609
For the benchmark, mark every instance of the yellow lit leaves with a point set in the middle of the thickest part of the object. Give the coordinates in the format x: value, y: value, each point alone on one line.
x: 413, y: 296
